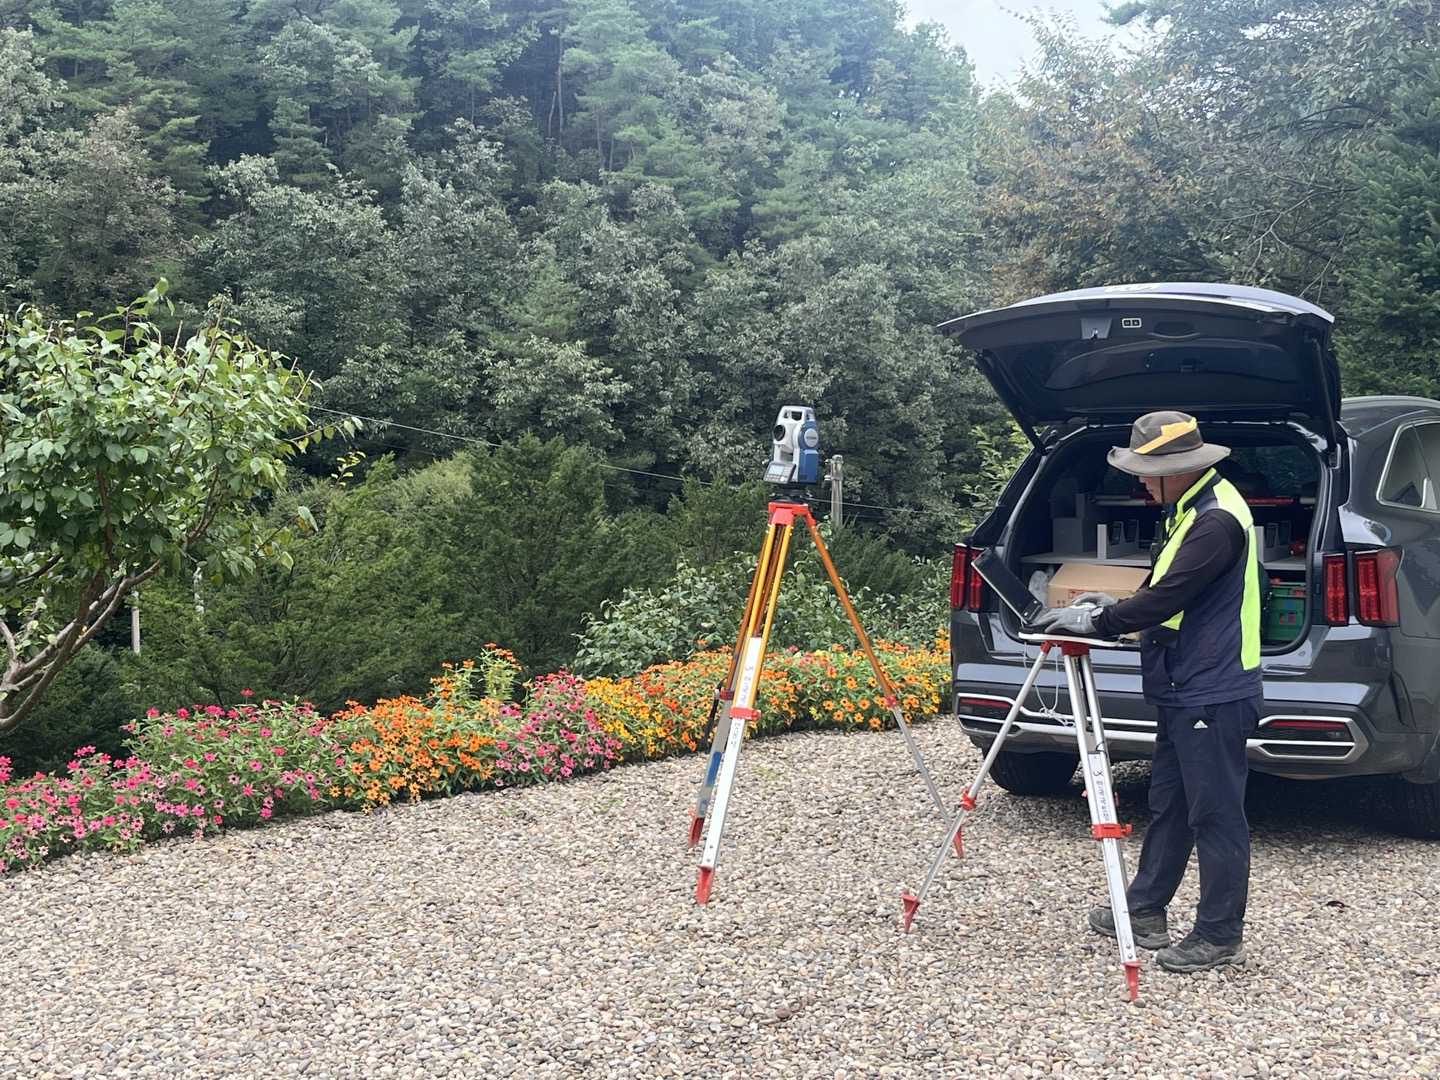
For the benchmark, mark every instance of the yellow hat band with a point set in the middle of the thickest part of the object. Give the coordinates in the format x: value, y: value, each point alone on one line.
x: 1168, y: 434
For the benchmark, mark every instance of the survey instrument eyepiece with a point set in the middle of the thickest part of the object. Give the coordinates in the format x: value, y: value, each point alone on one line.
x: 795, y: 458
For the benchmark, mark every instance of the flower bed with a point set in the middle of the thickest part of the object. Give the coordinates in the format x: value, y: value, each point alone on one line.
x: 199, y: 770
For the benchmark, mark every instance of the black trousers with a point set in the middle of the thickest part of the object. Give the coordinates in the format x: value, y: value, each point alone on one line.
x: 1197, y: 797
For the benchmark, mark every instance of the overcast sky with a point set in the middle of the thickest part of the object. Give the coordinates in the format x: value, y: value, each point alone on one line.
x: 992, y: 33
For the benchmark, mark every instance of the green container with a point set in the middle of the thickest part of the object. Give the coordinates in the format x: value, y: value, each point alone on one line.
x: 1285, y: 613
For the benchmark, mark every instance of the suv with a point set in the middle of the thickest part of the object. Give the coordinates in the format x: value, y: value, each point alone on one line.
x: 1347, y: 515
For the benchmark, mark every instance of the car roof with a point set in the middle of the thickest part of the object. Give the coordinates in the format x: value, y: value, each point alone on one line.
x: 1363, y: 414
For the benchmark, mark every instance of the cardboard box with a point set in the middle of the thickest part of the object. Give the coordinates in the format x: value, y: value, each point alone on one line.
x: 1074, y: 578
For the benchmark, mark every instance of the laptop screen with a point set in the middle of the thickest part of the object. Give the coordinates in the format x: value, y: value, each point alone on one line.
x: 1007, y: 586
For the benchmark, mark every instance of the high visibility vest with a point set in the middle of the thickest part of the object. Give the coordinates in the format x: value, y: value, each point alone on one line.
x: 1210, y: 652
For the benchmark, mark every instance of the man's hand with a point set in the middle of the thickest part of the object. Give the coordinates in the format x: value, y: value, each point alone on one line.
x: 1067, y: 620
x: 1099, y: 599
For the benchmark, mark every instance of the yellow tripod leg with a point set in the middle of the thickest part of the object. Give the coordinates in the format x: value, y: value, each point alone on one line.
x: 725, y: 694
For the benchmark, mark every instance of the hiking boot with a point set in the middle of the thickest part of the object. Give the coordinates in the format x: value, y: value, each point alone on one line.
x: 1194, y: 953
x: 1146, y: 927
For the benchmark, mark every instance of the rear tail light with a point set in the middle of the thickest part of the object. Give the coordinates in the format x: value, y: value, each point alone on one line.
x: 1374, y: 597
x: 1377, y: 601
x: 1337, y: 597
x: 966, y: 585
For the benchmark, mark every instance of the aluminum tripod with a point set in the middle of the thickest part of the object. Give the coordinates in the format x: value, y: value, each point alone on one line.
x: 1095, y: 762
x: 735, y: 701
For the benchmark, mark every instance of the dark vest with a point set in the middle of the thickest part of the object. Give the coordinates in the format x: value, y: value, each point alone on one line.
x: 1210, y: 652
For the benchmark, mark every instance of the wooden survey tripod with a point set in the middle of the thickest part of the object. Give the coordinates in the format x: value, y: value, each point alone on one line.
x: 735, y: 701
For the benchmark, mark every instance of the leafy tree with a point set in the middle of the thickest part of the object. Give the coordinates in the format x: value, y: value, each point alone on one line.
x: 1390, y: 337
x: 28, y: 100
x: 621, y: 80
x: 87, y: 223
x: 124, y: 454
x: 177, y: 66
x: 1263, y: 103
x: 1080, y: 185
x: 620, y: 258
x: 716, y: 150
x: 334, y: 74
x: 113, y: 227
x: 320, y: 272
x: 463, y: 46
x: 824, y: 320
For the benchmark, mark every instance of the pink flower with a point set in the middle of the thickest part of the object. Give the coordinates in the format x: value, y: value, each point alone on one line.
x: 247, y: 693
x: 152, y: 712
x: 265, y: 812
x: 183, y: 714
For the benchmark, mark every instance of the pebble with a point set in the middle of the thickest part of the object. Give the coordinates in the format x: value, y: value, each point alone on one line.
x: 552, y: 932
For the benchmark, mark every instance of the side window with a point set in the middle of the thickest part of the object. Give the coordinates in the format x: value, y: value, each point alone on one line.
x: 1407, y: 479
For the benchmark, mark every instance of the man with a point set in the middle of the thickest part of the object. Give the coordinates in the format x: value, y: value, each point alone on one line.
x: 1199, y: 617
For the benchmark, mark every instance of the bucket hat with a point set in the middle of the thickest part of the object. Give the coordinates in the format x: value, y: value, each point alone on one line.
x: 1164, y: 444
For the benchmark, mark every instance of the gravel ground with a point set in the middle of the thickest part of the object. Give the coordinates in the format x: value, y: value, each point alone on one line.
x: 552, y: 932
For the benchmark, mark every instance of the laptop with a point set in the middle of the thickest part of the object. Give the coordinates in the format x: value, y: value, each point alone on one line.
x: 1021, y: 600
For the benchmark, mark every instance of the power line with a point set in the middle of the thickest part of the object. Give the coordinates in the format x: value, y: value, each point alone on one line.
x: 473, y: 441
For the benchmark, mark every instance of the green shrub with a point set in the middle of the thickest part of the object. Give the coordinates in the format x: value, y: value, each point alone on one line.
x: 87, y: 705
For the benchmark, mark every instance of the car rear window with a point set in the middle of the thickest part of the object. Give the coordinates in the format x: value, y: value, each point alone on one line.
x: 1413, y: 463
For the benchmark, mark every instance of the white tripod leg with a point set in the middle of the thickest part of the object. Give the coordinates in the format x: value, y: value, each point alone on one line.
x: 911, y: 901
x: 1104, y: 824
x: 738, y: 713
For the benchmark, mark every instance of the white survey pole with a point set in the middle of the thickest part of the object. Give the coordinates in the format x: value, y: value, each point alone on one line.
x: 835, y: 477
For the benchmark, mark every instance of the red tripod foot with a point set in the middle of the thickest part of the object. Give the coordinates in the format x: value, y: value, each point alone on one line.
x: 702, y: 884
x: 959, y: 846
x: 1132, y: 978
x: 911, y: 904
x: 697, y: 826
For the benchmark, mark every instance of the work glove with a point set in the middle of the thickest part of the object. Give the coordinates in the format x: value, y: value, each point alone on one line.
x: 1067, y: 620
x: 1099, y: 599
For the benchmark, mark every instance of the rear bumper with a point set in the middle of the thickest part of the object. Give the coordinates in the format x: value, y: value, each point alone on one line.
x: 1336, y: 744
x: 1308, y: 729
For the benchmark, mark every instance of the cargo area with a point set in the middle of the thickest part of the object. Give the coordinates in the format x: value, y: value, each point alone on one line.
x: 1086, y: 526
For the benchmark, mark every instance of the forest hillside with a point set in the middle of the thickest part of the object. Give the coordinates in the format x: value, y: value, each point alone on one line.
x: 565, y: 259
